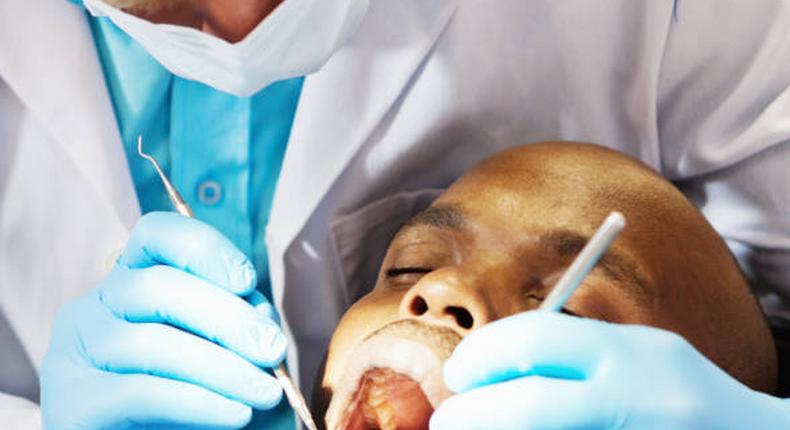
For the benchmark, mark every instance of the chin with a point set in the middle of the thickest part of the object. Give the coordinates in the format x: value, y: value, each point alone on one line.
x: 393, y: 380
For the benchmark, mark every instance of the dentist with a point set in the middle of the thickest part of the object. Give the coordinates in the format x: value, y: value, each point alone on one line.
x: 303, y: 133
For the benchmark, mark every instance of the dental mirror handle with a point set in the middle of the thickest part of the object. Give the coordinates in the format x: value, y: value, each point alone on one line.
x: 584, y: 262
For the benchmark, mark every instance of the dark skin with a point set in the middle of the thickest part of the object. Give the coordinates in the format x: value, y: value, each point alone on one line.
x: 499, y: 238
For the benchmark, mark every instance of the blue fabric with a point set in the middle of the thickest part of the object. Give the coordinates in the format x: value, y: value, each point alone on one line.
x: 222, y: 152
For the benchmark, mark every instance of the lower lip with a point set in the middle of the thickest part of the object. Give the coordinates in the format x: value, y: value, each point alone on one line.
x: 387, y: 400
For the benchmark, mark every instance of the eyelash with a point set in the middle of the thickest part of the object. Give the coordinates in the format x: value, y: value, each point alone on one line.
x: 564, y: 310
x: 398, y: 271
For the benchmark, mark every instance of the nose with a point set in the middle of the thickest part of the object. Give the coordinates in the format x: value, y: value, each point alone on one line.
x: 443, y: 299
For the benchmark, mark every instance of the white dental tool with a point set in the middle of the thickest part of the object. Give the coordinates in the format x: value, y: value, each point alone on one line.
x: 584, y: 262
x: 292, y: 392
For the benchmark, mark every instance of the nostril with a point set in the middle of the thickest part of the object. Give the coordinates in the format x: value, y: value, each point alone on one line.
x: 461, y: 315
x: 418, y: 306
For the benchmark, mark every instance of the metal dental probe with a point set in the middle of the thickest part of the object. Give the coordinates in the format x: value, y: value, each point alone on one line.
x: 292, y: 393
x: 584, y: 262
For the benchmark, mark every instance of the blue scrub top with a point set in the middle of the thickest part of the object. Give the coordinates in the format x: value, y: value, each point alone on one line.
x: 222, y: 152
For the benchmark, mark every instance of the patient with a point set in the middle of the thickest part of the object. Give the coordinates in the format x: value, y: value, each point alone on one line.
x: 496, y: 242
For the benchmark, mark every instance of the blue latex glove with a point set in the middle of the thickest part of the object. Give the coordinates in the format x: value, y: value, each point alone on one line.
x: 540, y: 370
x: 165, y: 339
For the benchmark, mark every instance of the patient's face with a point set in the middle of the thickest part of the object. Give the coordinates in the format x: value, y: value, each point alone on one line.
x: 496, y: 242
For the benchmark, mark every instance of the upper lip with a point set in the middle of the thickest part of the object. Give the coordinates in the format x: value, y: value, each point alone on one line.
x: 409, y: 347
x: 442, y: 340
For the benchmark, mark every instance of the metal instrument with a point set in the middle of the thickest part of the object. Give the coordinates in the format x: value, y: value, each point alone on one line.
x: 292, y: 392
x: 584, y: 262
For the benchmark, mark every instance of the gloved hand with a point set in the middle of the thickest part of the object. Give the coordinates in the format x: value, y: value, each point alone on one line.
x: 165, y: 339
x: 540, y: 370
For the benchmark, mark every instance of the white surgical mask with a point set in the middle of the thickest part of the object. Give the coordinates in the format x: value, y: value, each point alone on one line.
x: 296, y: 39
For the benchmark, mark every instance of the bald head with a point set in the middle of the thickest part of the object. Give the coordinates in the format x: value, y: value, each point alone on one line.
x: 496, y: 243
x: 693, y: 281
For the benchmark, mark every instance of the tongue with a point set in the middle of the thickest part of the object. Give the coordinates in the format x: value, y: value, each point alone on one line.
x: 388, y: 400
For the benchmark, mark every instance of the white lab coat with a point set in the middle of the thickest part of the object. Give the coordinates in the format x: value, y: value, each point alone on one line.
x: 424, y: 89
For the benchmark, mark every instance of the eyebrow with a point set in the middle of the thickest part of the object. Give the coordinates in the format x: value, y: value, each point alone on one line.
x: 567, y: 244
x: 440, y: 216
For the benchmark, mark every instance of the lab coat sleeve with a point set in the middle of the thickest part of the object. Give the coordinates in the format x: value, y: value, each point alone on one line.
x: 724, y: 130
x: 17, y: 413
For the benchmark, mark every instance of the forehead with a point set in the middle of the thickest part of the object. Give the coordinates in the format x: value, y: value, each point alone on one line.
x: 557, y: 184
x: 509, y: 207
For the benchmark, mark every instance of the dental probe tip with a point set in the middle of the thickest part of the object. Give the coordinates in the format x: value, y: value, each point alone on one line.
x: 178, y: 202
x: 140, y: 150
x: 150, y: 158
x: 140, y: 145
x: 294, y: 397
x: 584, y: 262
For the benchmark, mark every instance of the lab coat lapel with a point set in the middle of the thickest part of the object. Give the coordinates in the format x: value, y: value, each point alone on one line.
x: 48, y: 58
x: 342, y: 104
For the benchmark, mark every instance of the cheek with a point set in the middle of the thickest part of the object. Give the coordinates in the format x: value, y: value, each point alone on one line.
x: 376, y: 309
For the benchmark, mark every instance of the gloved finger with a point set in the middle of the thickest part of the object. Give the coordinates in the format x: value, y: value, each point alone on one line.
x: 263, y: 307
x: 167, y: 352
x: 530, y: 343
x: 146, y: 400
x: 532, y: 402
x: 167, y: 295
x: 192, y: 246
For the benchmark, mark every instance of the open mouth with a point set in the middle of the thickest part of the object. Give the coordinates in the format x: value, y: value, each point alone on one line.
x: 387, y: 400
x: 394, y: 381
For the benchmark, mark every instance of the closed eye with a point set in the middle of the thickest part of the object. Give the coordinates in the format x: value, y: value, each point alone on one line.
x: 571, y: 313
x: 398, y: 271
